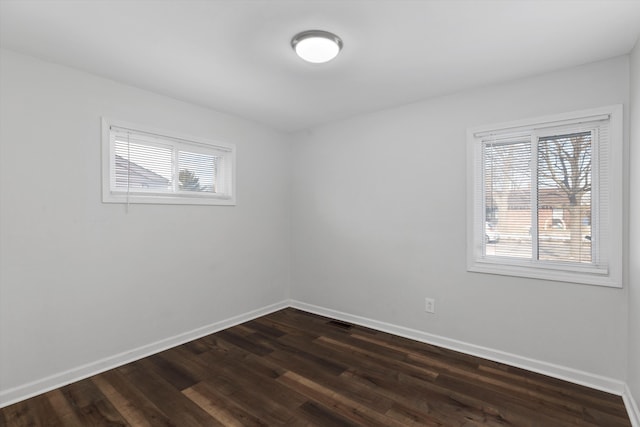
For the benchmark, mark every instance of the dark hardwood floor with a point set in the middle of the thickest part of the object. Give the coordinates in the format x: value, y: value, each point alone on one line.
x: 296, y: 368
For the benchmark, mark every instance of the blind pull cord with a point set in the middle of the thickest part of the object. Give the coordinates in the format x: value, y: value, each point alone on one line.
x: 128, y: 170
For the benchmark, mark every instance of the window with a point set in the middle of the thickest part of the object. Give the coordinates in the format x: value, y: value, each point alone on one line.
x: 545, y: 198
x: 149, y: 166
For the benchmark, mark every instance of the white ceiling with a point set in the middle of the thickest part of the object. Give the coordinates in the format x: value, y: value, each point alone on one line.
x: 235, y: 56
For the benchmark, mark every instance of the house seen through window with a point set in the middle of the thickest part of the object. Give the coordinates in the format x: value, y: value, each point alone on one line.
x: 563, y: 196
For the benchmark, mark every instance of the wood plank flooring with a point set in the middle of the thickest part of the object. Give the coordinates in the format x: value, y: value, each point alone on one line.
x: 299, y: 369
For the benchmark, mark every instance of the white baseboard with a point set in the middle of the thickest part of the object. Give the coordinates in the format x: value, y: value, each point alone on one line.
x: 632, y: 407
x: 557, y: 371
x: 61, y: 379
x: 25, y: 391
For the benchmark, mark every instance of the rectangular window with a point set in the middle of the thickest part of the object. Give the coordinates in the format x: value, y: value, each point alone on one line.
x: 545, y: 198
x: 149, y: 166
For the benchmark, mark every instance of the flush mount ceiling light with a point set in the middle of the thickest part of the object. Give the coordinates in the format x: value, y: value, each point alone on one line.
x: 316, y: 46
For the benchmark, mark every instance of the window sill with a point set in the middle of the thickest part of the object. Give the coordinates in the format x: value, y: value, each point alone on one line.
x: 588, y: 276
x: 217, y: 200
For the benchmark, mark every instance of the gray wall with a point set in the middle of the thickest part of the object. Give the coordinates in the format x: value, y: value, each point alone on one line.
x: 379, y: 208
x: 81, y: 280
x: 634, y: 219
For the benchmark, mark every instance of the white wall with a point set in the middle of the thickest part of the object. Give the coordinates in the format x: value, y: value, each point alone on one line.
x: 379, y: 208
x: 81, y: 280
x: 634, y: 215
x: 376, y: 217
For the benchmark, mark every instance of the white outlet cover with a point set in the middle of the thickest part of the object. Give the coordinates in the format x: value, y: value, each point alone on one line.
x: 430, y: 305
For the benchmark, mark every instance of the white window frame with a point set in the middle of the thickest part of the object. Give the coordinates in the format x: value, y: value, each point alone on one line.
x: 606, y: 273
x: 226, y: 195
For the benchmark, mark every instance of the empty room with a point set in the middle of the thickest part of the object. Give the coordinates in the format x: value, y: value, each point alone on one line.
x: 320, y: 213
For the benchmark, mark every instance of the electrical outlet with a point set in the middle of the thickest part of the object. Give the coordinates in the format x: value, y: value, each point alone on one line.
x: 429, y: 305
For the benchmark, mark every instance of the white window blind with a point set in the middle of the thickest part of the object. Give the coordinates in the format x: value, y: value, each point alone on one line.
x: 140, y: 166
x: 148, y: 166
x: 545, y: 199
x: 507, y: 180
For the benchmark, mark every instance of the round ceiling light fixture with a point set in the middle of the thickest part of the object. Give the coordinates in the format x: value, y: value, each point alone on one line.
x: 316, y: 46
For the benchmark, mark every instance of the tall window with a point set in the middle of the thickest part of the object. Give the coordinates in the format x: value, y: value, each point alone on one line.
x: 149, y: 166
x: 545, y: 198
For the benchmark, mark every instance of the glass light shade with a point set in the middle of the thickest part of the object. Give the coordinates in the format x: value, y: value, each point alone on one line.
x: 316, y: 46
